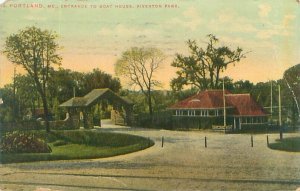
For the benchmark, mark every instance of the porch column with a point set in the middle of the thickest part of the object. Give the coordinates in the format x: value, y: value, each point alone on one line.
x: 100, y: 109
x: 87, y: 118
x: 69, y: 119
x: 234, y: 123
x: 128, y: 117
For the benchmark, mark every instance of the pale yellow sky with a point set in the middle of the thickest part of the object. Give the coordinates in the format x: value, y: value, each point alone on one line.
x: 95, y: 38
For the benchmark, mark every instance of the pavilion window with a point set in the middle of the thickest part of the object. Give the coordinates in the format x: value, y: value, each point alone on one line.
x: 206, y: 113
x: 244, y: 120
x: 198, y: 112
x: 184, y: 112
x: 221, y: 112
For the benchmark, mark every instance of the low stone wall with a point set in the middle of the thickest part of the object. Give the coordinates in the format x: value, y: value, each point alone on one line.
x: 66, y: 124
x: 117, y: 118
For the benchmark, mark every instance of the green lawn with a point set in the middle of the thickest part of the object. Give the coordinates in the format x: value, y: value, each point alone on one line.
x: 77, y: 144
x: 291, y: 144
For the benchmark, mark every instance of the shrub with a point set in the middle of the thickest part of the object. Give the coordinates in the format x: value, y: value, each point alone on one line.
x: 290, y: 144
x: 93, y: 138
x: 161, y: 119
x: 59, y: 143
x: 20, y: 142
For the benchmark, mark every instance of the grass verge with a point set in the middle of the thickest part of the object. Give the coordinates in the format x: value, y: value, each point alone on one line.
x: 67, y: 145
x: 291, y: 144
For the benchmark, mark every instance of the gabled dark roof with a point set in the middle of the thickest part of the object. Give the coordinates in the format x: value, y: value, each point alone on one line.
x: 243, y: 104
x: 90, y: 98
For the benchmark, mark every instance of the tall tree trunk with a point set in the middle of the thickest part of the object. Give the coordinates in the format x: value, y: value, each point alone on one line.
x: 45, y: 104
x: 46, y: 112
x: 211, y: 80
x: 150, y: 103
x: 217, y: 77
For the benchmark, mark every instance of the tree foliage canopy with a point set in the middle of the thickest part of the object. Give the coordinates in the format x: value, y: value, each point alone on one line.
x: 292, y: 79
x: 36, y: 51
x: 203, y: 66
x: 138, y: 66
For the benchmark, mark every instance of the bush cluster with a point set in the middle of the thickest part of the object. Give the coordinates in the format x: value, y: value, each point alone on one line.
x: 158, y: 120
x: 20, y: 142
x: 103, y: 139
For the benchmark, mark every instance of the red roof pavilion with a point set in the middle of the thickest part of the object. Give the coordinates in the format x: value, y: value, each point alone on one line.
x: 243, y: 104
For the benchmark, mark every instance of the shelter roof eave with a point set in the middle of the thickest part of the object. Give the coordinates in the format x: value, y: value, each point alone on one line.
x: 92, y: 97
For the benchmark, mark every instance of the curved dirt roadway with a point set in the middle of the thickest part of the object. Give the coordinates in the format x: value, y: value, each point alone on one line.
x: 229, y: 163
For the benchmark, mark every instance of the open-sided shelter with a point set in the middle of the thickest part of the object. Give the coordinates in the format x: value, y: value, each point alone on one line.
x: 84, y: 105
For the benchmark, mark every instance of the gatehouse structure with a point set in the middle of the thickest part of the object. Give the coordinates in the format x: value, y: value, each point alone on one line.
x: 81, y: 109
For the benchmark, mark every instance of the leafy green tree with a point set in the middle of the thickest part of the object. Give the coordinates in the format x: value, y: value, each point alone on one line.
x: 62, y: 83
x: 241, y: 86
x: 36, y: 51
x: 203, y: 66
x: 6, y: 109
x: 292, y: 78
x: 26, y: 94
x: 99, y: 79
x: 138, y: 66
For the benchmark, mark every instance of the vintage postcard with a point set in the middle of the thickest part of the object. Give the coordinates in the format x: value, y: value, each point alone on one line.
x: 149, y: 95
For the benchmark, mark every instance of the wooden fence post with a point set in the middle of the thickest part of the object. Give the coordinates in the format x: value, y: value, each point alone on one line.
x: 251, y: 141
x: 281, y: 134
x: 267, y: 140
x: 162, y: 141
x: 205, y: 142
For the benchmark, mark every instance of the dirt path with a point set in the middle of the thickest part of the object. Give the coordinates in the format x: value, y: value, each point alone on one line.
x: 228, y: 163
